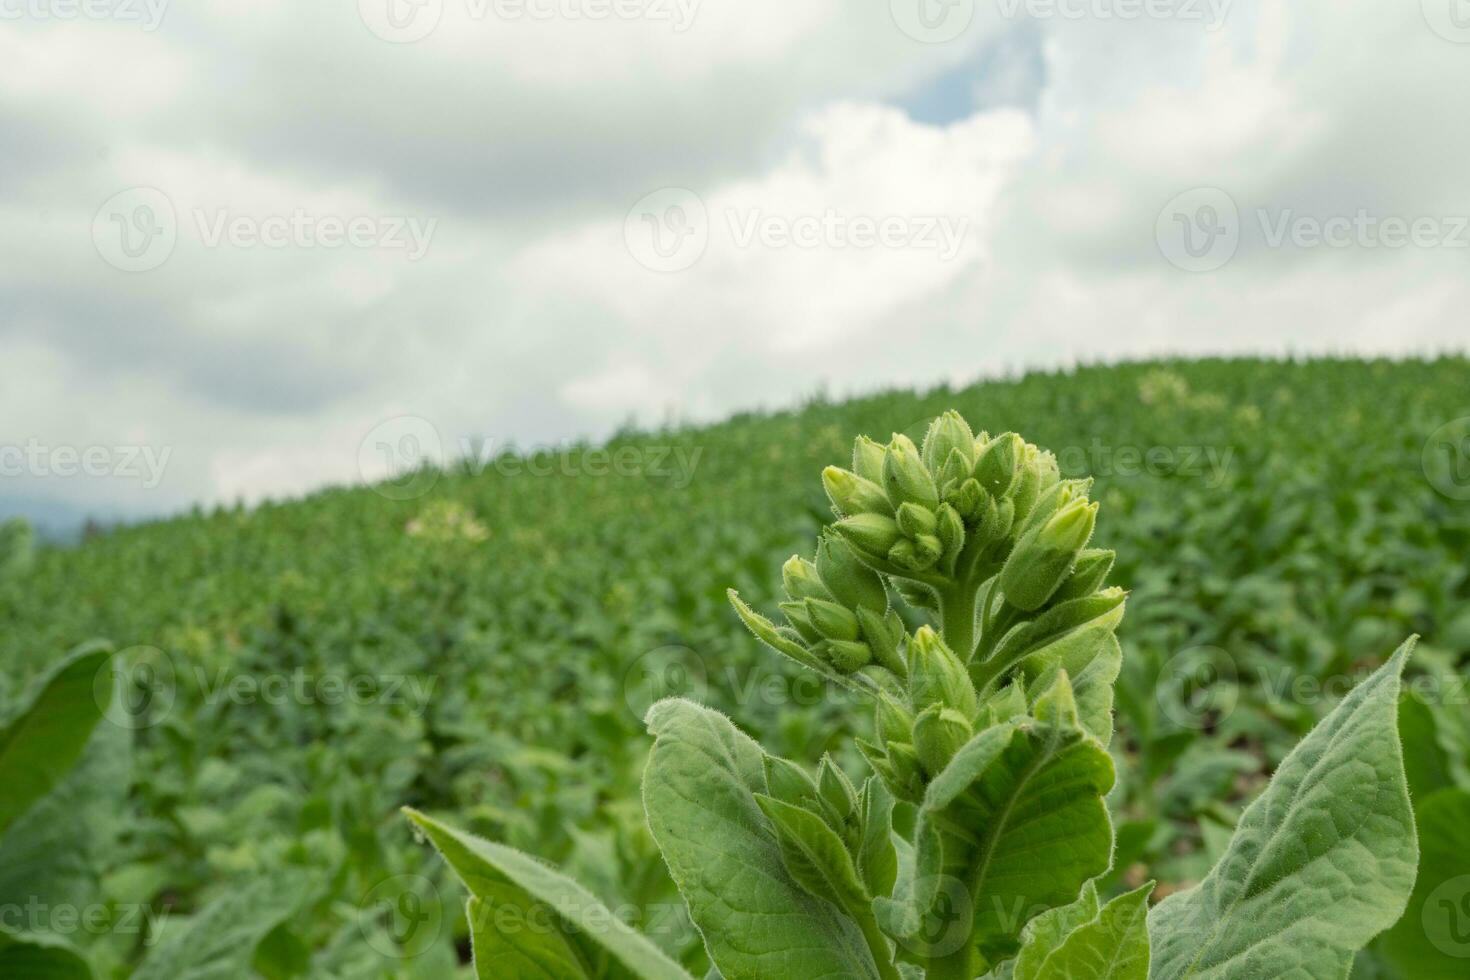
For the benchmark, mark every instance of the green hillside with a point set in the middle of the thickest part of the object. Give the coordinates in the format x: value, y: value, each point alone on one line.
x: 484, y: 649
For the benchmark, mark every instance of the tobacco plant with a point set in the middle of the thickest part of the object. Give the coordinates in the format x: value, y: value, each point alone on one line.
x: 973, y: 846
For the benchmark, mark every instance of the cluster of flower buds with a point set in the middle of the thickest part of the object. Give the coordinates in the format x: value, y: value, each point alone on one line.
x: 921, y: 728
x: 986, y: 533
x: 838, y: 615
x: 909, y: 511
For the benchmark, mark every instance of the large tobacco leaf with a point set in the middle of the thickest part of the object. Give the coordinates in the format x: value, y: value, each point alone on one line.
x: 700, y: 793
x: 529, y: 920
x: 1322, y: 862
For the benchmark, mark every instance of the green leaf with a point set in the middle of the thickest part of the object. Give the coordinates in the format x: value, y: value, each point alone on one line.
x: 699, y: 792
x: 877, y: 859
x: 1046, y: 932
x: 1018, y: 817
x: 1322, y: 862
x: 529, y: 920
x: 33, y: 956
x: 814, y: 855
x: 44, y: 739
x: 220, y: 942
x: 1113, y: 946
x: 1432, y: 940
x: 55, y: 851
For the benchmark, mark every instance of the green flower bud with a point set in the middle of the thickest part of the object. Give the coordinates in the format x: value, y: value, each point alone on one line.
x: 1045, y: 555
x: 996, y: 468
x: 884, y: 634
x: 851, y: 494
x: 916, y: 555
x: 883, y: 680
x: 1092, y: 567
x: 1040, y: 473
x: 928, y: 547
x: 847, y: 656
x: 915, y: 519
x: 802, y: 581
x: 904, y: 475
x: 937, y: 676
x: 836, y: 790
x: 948, y: 433
x: 908, y: 775
x: 955, y: 470
x: 852, y: 583
x: 796, y: 615
x: 867, y: 459
x: 969, y: 500
x: 1054, y: 499
x: 951, y: 530
x: 788, y: 782
x: 871, y: 534
x: 938, y: 734
x: 831, y: 620
x: 906, y: 556
x: 1028, y: 479
x: 892, y: 721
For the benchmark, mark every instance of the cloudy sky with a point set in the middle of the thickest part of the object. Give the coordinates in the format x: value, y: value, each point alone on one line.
x: 251, y: 247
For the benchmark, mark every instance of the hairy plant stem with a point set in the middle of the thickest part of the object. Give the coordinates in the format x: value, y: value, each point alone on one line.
x: 879, y: 946
x: 959, y: 965
x: 957, y: 618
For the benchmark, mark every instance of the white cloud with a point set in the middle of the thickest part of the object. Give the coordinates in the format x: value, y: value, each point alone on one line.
x: 528, y: 140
